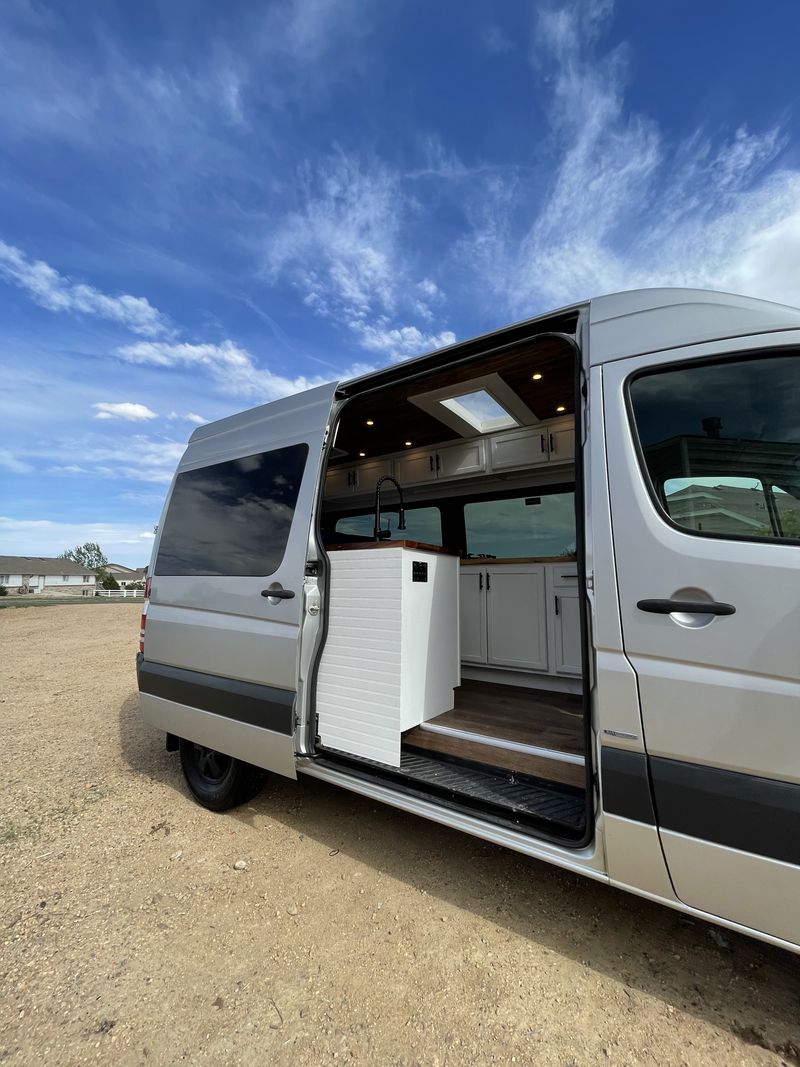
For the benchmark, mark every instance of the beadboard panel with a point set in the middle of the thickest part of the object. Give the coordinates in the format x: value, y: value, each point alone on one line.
x: 358, y: 685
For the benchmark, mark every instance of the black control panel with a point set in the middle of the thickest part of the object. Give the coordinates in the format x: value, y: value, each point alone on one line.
x: 419, y: 571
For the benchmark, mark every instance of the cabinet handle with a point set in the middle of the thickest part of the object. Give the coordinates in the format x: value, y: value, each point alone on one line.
x: 552, y: 444
x: 480, y: 580
x: 488, y: 582
x: 349, y: 478
x: 438, y: 462
x: 431, y: 461
x: 544, y: 446
x: 556, y: 600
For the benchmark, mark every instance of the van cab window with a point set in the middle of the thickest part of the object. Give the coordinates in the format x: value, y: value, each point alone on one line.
x: 232, y: 518
x: 422, y: 524
x: 721, y: 444
x: 527, y: 527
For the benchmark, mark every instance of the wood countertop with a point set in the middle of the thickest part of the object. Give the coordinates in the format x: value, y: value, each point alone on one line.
x: 489, y: 562
x: 416, y: 546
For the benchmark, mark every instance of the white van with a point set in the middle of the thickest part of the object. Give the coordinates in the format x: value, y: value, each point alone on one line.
x: 542, y: 586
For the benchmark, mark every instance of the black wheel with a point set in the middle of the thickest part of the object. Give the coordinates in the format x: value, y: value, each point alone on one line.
x: 217, y: 781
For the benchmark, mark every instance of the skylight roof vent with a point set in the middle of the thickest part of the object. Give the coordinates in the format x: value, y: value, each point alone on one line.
x: 481, y: 410
x: 481, y: 405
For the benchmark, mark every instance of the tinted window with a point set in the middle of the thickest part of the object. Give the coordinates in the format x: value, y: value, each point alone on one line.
x: 422, y: 524
x: 722, y: 444
x: 232, y: 518
x: 522, y: 526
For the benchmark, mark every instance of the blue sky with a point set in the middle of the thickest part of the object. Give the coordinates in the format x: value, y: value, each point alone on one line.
x: 206, y: 206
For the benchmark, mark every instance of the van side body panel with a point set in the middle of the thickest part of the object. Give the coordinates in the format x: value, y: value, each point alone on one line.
x: 221, y: 658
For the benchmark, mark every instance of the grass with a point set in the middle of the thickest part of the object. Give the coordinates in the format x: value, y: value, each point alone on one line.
x: 34, y: 601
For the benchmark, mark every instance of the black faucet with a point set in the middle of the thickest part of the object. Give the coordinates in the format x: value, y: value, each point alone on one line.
x: 378, y: 533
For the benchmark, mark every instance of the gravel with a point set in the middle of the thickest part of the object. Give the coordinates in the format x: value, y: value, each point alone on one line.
x: 359, y: 935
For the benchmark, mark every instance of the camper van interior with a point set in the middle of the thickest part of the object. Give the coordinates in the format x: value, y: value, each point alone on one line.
x: 452, y: 659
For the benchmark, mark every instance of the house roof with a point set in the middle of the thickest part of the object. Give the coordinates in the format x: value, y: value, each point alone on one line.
x: 40, y: 565
x: 119, y: 570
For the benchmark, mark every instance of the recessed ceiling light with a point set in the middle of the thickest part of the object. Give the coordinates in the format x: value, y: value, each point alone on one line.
x: 561, y: 408
x: 408, y: 444
x: 362, y: 454
x: 536, y: 377
x: 370, y: 422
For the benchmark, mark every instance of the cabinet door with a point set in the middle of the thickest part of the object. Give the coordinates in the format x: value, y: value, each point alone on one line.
x: 367, y: 474
x: 561, y: 440
x: 568, y: 632
x: 520, y: 448
x: 467, y: 457
x: 472, y: 614
x: 339, y: 481
x: 414, y: 467
x: 517, y: 616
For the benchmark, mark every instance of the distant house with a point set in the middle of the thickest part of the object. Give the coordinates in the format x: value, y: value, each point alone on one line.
x: 126, y: 576
x: 44, y: 576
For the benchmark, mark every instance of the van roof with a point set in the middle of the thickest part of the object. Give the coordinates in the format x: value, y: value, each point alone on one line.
x: 621, y: 324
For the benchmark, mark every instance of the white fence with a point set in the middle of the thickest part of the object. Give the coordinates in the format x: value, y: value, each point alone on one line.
x: 120, y: 592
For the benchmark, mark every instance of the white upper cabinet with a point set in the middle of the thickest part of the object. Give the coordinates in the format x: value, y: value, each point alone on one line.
x: 344, y: 481
x: 520, y: 448
x: 552, y: 442
x: 368, y: 473
x: 459, y: 460
x: 561, y: 442
x: 414, y: 467
x: 450, y: 461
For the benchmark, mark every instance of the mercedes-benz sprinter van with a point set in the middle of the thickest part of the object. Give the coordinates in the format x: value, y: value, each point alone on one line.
x: 543, y: 586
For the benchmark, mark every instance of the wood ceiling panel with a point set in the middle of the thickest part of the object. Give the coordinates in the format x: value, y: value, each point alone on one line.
x: 396, y: 420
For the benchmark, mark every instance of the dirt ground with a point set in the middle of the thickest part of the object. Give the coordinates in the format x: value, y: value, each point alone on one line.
x: 356, y: 933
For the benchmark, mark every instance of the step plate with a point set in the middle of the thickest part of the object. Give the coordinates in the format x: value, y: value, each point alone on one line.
x: 507, y: 795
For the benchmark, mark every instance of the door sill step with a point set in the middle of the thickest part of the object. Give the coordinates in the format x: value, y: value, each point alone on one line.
x: 499, y: 742
x: 544, y: 805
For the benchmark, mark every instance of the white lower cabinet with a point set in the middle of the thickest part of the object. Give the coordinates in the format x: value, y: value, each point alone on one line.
x: 567, y: 631
x: 472, y: 614
x: 521, y: 616
x: 516, y: 617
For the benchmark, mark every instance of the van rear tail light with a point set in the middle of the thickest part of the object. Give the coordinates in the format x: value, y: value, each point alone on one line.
x: 143, y: 621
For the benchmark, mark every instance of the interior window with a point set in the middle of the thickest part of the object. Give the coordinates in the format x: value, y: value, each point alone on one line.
x: 522, y: 527
x: 422, y: 524
x: 232, y: 518
x: 721, y: 443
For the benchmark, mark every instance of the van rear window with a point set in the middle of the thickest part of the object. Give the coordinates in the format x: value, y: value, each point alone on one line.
x: 232, y: 518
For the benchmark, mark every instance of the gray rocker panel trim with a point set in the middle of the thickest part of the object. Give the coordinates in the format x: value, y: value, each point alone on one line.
x: 625, y: 784
x: 757, y: 815
x: 248, y: 702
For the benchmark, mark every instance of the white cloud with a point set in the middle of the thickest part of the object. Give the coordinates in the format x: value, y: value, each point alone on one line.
x: 342, y: 251
x: 232, y: 366
x: 625, y: 208
x: 190, y: 416
x: 12, y: 463
x: 54, y: 291
x: 43, y: 537
x: 403, y: 341
x: 127, y: 411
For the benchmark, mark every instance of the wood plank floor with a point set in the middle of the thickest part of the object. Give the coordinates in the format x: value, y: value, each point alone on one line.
x: 511, y: 713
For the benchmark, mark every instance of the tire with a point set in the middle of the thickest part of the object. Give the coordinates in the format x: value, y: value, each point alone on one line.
x: 217, y: 781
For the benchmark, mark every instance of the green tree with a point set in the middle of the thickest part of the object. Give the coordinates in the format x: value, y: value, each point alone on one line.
x: 89, y: 555
x: 106, y: 580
